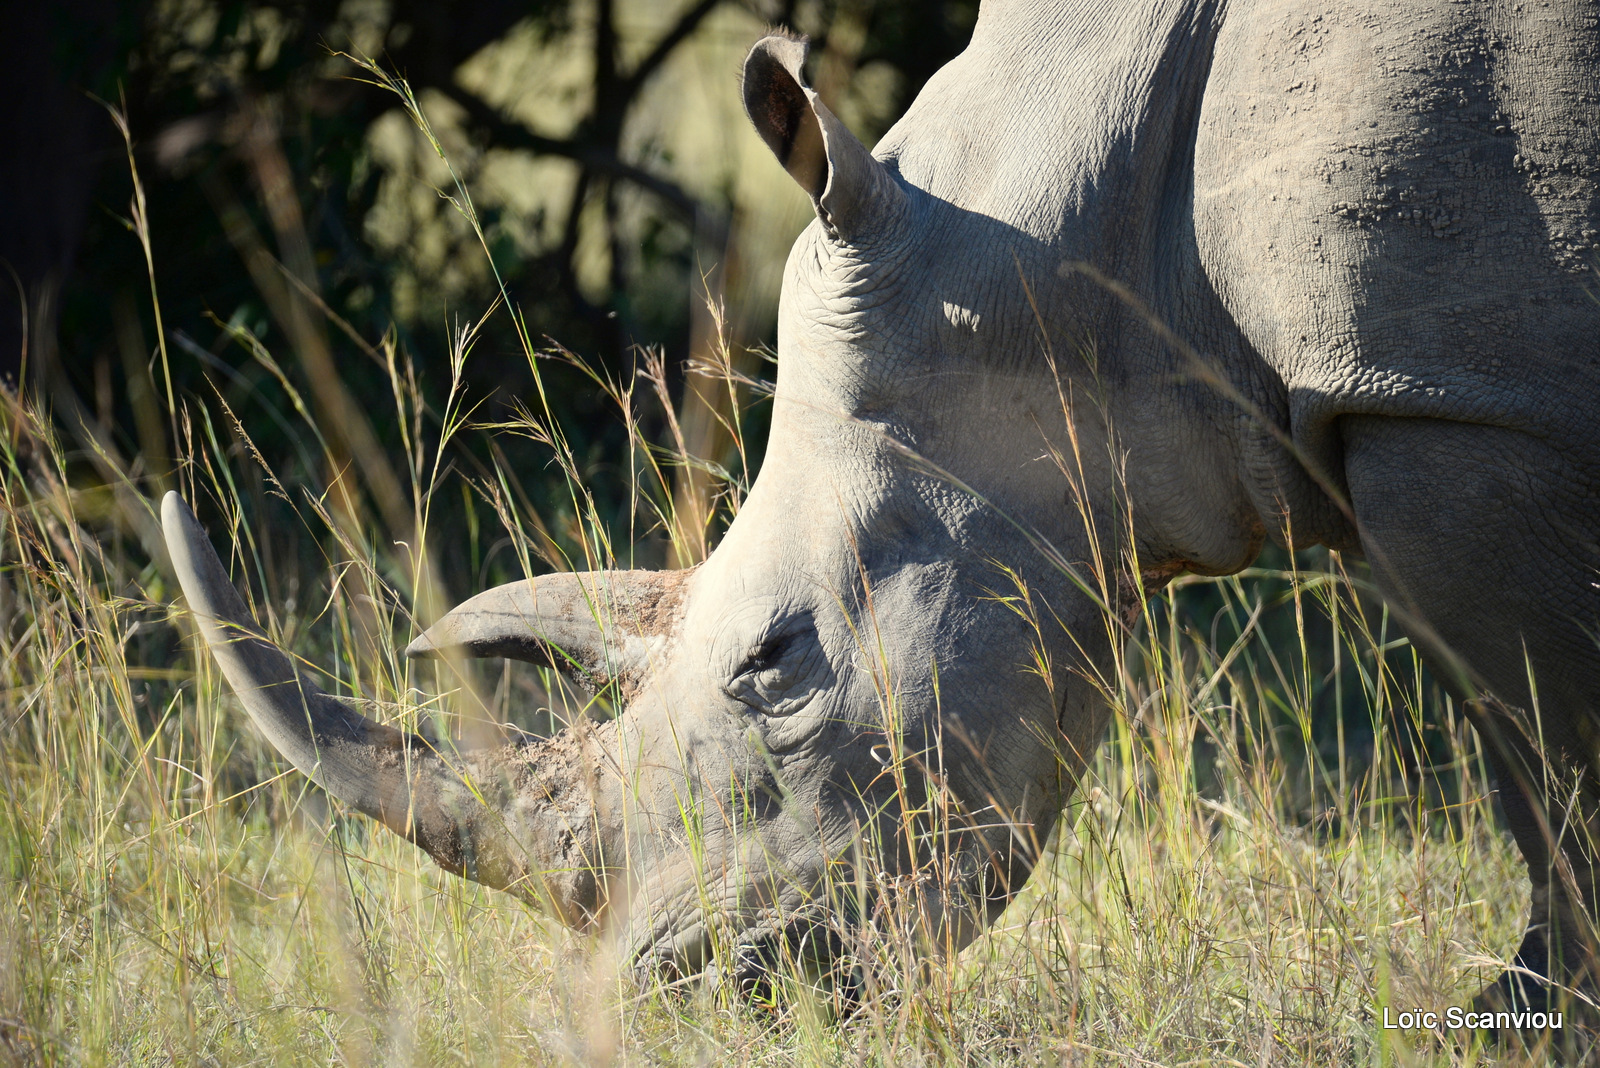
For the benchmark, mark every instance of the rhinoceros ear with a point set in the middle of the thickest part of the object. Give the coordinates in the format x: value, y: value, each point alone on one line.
x: 594, y: 626
x: 855, y: 195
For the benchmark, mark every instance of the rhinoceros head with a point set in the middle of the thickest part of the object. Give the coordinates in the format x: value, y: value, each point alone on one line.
x: 877, y: 685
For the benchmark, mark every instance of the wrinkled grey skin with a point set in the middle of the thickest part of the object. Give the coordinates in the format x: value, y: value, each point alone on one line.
x: 1370, y: 227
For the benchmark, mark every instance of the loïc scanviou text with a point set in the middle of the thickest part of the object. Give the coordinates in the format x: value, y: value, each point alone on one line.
x: 1456, y: 1018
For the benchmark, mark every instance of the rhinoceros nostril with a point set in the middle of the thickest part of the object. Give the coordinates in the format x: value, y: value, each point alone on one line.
x: 805, y: 955
x: 675, y: 960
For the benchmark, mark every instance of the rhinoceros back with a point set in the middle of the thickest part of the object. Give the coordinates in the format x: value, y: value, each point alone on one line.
x: 1398, y: 204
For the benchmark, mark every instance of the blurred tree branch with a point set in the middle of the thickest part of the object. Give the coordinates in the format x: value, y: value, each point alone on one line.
x: 670, y: 40
x: 502, y: 132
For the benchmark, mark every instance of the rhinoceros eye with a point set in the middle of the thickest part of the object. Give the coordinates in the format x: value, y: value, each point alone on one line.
x: 762, y: 658
x: 770, y: 679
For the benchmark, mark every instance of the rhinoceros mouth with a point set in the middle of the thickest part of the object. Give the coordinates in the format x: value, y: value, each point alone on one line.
x: 813, y: 954
x: 809, y: 945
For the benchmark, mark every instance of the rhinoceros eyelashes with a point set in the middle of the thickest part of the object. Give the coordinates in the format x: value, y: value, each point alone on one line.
x: 764, y: 656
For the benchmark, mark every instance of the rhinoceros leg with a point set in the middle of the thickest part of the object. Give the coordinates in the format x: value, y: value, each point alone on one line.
x: 1484, y: 540
x: 1551, y: 803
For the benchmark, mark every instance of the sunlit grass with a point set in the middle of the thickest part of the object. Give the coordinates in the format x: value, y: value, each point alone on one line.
x: 151, y: 915
x: 169, y: 897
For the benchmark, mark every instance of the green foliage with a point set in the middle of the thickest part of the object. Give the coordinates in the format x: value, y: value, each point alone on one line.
x: 287, y: 185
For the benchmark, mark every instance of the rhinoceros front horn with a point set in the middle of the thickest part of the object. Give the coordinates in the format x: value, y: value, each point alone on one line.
x: 523, y: 817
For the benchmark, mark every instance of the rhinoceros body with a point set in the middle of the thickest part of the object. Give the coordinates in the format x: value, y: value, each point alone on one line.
x: 1129, y: 290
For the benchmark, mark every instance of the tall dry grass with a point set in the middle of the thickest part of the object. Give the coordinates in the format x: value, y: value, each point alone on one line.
x: 1226, y: 887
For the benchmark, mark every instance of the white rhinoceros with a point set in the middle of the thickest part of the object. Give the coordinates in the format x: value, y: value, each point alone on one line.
x: 1372, y: 225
